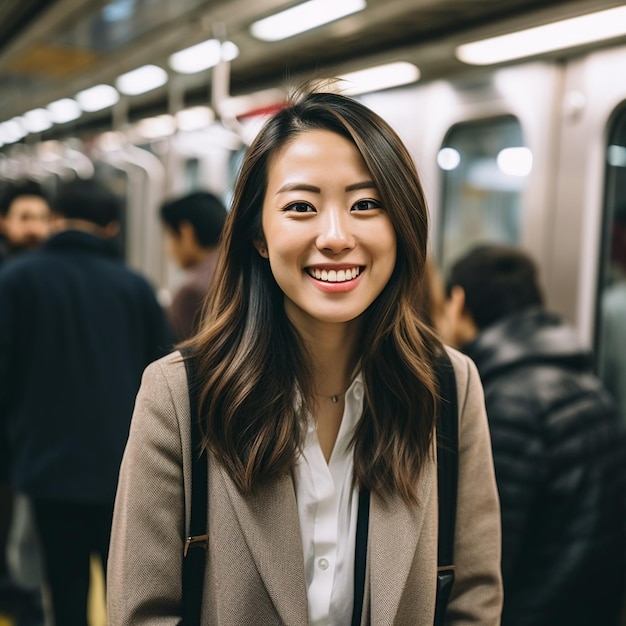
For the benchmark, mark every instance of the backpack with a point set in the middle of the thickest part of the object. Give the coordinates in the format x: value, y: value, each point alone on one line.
x: 447, y: 479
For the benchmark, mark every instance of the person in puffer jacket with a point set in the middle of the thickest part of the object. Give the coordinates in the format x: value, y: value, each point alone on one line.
x: 558, y: 449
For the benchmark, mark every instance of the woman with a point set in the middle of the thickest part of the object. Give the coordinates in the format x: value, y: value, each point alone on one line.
x: 317, y: 381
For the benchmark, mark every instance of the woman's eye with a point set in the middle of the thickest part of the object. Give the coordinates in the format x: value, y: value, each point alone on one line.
x: 364, y: 205
x: 299, y: 207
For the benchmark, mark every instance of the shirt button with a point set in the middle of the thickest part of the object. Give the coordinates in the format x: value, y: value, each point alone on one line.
x: 323, y: 564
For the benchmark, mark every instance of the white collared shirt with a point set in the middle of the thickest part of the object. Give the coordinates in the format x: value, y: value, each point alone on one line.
x: 327, y: 510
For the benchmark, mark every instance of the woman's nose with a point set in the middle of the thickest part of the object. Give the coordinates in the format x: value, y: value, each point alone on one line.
x: 335, y: 232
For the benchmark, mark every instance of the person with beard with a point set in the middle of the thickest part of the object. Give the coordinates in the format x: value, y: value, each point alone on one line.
x: 24, y: 218
x: 24, y: 225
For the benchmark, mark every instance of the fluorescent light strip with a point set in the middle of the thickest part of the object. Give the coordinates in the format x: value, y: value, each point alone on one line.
x: 37, y: 120
x: 12, y: 130
x: 143, y: 79
x: 64, y: 110
x: 97, y: 98
x: 194, y: 118
x: 303, y: 17
x: 202, y: 56
x: 575, y: 31
x: 378, y: 78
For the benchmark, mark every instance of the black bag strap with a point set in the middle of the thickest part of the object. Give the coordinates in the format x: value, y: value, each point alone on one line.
x: 447, y: 480
x: 196, y: 543
x: 360, y: 555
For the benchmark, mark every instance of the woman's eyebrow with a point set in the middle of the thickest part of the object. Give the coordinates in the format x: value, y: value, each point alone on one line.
x: 298, y: 187
x: 365, y: 184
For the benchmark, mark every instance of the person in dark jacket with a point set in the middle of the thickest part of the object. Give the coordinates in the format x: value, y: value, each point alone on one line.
x: 24, y: 225
x: 558, y: 452
x: 77, y: 329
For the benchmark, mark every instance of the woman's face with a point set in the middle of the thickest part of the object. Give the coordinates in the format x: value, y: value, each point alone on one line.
x: 329, y: 240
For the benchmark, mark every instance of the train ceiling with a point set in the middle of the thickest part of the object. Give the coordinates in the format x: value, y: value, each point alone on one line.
x: 51, y: 49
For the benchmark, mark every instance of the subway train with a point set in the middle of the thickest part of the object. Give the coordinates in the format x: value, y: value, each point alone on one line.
x: 527, y: 148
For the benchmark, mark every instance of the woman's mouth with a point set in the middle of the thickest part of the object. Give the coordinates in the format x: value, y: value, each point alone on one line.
x: 334, y: 276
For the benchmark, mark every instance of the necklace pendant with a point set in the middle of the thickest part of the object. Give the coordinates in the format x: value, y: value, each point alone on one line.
x: 334, y: 399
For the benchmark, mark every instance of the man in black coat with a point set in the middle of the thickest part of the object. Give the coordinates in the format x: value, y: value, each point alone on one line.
x: 558, y: 451
x: 24, y: 225
x: 77, y: 328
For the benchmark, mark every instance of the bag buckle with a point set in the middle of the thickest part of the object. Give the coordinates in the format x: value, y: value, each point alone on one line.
x: 197, y: 541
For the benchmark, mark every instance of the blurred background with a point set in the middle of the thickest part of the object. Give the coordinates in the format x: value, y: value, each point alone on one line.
x: 514, y: 112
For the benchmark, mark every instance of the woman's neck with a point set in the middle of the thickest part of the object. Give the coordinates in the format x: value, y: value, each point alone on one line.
x: 334, y: 357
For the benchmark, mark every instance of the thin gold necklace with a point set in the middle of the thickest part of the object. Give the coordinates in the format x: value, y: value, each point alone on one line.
x: 335, y: 397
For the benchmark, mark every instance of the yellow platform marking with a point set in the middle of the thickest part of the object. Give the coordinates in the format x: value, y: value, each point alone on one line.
x: 97, y: 603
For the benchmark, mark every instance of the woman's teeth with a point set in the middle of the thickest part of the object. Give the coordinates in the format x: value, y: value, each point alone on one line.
x: 334, y: 276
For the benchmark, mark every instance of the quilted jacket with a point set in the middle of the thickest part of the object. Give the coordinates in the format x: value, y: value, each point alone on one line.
x: 559, y: 458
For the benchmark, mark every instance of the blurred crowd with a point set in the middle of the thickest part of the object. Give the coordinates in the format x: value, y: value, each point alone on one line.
x: 77, y: 329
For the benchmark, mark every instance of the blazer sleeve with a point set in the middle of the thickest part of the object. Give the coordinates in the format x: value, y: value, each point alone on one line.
x: 145, y: 560
x: 477, y: 595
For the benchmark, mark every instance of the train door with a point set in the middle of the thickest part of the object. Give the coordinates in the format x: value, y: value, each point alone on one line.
x: 610, y: 335
x: 591, y: 188
x: 593, y: 175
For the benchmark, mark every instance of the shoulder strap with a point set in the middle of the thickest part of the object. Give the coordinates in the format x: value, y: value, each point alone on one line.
x: 447, y: 479
x: 196, y: 543
x: 360, y: 555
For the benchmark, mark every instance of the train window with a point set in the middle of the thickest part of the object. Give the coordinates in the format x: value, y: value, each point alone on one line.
x: 611, y: 301
x: 485, y: 166
x: 192, y: 174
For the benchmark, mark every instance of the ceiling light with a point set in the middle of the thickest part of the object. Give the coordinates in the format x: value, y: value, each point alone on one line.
x: 379, y: 77
x: 141, y: 80
x: 448, y: 158
x: 64, y: 110
x: 194, y: 118
x: 37, y: 120
x: 515, y: 161
x: 303, y: 17
x: 97, y: 98
x: 203, y: 56
x: 12, y: 130
x: 155, y: 127
x: 575, y: 31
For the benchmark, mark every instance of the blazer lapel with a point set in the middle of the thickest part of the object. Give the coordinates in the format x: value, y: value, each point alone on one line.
x: 394, y: 532
x: 269, y: 522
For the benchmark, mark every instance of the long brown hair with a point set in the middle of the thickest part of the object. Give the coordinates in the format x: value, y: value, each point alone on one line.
x: 252, y: 360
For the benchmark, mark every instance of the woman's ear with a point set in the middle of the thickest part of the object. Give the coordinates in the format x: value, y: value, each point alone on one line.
x: 261, y: 248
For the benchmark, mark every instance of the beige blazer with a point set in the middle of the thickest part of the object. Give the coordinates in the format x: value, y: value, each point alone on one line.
x: 255, y: 570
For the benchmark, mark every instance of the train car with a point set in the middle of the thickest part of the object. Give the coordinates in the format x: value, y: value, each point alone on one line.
x: 514, y: 112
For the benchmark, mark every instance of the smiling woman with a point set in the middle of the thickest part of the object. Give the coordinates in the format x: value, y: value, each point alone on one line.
x: 318, y: 405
